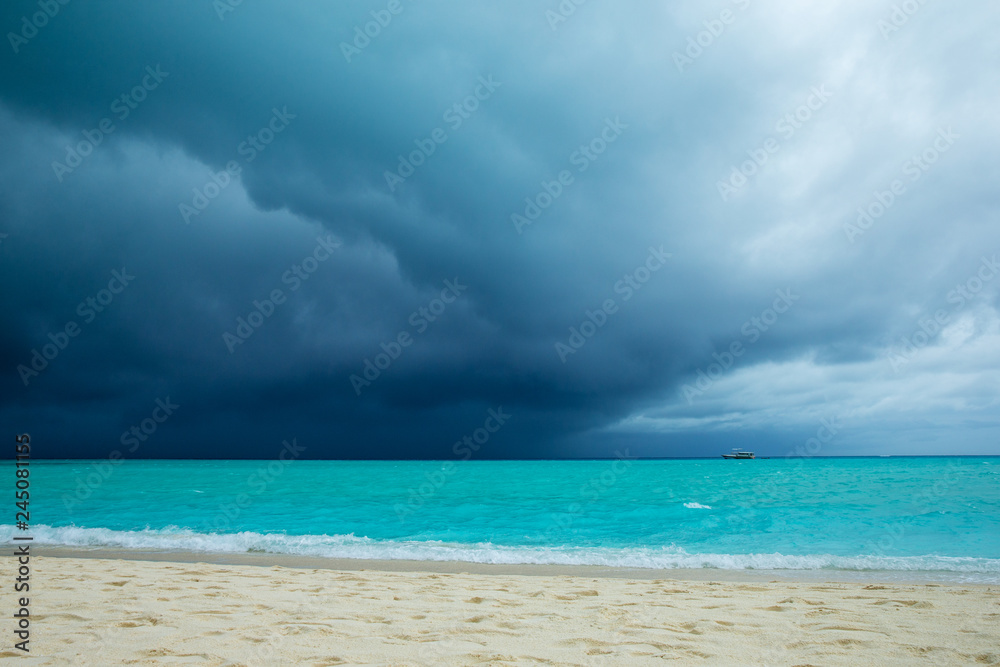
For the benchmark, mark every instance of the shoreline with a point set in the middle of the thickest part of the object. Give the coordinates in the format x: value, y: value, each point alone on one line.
x: 154, y: 609
x: 298, y: 562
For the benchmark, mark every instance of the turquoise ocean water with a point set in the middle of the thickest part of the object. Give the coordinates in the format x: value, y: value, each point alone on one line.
x: 913, y: 516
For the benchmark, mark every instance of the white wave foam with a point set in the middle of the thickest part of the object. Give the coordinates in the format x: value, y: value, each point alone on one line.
x: 350, y: 546
x: 697, y: 506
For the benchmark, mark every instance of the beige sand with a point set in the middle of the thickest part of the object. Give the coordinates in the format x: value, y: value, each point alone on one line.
x: 115, y: 612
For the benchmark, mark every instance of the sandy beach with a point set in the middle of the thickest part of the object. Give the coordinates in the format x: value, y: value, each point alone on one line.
x: 98, y: 611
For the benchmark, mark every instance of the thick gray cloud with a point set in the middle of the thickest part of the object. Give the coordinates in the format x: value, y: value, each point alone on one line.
x: 648, y: 115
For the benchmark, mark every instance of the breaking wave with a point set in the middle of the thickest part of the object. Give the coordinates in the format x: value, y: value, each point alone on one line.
x: 987, y: 570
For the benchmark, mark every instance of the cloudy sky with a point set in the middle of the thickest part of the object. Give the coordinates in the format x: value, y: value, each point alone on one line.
x: 666, y: 228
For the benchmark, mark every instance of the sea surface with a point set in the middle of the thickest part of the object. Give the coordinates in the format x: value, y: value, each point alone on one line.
x: 937, y: 517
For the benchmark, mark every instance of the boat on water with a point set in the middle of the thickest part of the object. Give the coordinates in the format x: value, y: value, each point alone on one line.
x: 739, y: 454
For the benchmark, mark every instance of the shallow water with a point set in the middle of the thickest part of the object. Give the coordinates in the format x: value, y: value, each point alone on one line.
x: 913, y: 515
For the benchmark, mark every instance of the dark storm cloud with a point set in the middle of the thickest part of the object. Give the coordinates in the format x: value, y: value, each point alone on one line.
x: 233, y: 144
